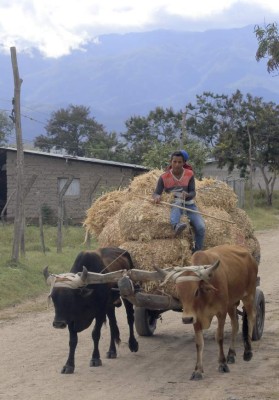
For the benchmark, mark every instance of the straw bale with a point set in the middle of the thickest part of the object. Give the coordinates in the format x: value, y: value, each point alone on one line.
x: 145, y: 184
x: 160, y: 252
x: 102, y: 209
x: 144, y: 221
x: 111, y: 235
x: 238, y: 236
x: 215, y: 193
x: 242, y: 221
x: 217, y: 232
x: 253, y: 246
x: 204, y: 182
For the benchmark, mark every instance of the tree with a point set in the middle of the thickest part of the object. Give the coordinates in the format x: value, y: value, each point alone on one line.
x: 159, y: 155
x: 206, y: 117
x: 161, y: 126
x: 242, y: 131
x: 268, y: 45
x: 74, y: 131
x: 6, y: 127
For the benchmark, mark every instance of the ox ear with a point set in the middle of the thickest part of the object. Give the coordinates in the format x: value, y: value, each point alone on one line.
x: 46, y: 272
x: 207, y: 287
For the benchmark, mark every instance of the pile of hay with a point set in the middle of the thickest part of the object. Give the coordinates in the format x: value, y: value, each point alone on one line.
x: 214, y: 193
x: 102, y: 209
x: 128, y: 219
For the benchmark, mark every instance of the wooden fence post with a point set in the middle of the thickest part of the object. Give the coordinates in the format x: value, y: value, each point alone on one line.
x: 94, y: 187
x: 60, y: 214
x: 41, y: 225
x: 26, y: 191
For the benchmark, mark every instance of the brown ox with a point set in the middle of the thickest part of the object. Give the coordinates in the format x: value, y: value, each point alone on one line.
x: 207, y: 291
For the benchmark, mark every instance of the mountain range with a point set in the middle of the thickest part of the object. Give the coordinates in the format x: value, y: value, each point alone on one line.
x: 122, y: 75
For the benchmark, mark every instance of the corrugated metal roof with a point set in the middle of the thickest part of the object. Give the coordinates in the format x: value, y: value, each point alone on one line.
x: 84, y: 159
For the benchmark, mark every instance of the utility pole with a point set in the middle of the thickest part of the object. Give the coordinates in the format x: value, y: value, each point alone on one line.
x: 19, y: 206
x: 251, y: 168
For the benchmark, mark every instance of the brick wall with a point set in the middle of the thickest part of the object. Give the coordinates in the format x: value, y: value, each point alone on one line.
x: 45, y: 189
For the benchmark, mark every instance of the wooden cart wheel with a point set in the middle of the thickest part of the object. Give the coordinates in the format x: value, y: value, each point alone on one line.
x: 145, y: 321
x: 260, y: 315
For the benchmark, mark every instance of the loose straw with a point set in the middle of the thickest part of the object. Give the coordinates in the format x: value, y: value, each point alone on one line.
x: 187, y: 209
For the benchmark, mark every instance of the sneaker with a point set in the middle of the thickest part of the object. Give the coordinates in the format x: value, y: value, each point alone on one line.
x: 179, y: 228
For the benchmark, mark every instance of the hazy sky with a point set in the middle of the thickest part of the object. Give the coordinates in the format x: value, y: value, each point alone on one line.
x: 56, y: 27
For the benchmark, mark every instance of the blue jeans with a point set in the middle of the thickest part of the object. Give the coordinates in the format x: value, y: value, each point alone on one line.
x: 196, y: 221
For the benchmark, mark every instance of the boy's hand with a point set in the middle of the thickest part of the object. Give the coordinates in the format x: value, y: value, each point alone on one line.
x: 156, y: 198
x: 185, y: 195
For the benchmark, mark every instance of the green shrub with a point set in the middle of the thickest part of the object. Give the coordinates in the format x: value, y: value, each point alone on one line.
x: 48, y: 215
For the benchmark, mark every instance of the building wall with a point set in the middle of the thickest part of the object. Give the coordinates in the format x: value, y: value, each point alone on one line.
x: 211, y: 170
x: 45, y: 189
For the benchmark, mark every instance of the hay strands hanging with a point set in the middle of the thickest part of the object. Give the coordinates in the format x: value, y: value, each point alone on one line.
x: 186, y: 209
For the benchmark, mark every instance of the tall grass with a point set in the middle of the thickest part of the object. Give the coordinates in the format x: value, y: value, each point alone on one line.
x: 263, y: 216
x: 22, y: 280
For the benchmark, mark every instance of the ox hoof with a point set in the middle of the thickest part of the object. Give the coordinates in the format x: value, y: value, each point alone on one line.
x: 111, y: 354
x: 117, y: 303
x: 230, y: 359
x: 223, y: 368
x: 95, y: 362
x: 196, y: 376
x: 133, y: 346
x: 67, y: 369
x: 247, y: 355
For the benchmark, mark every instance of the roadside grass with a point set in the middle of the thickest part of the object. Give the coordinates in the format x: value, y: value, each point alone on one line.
x: 24, y: 280
x: 262, y: 216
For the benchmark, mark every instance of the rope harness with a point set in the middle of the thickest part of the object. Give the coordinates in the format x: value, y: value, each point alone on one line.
x: 176, y: 273
x: 70, y: 280
x: 125, y: 251
x: 66, y: 280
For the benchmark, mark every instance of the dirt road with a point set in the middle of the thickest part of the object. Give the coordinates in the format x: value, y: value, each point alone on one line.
x: 32, y: 354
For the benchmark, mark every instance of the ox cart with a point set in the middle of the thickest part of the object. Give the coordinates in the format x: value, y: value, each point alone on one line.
x: 149, y: 307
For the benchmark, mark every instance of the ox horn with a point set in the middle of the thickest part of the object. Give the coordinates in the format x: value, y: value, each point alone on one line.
x: 46, y: 272
x: 206, y: 274
x: 161, y: 271
x: 84, y: 274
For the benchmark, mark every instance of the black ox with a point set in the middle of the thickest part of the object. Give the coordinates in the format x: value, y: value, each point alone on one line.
x: 77, y: 304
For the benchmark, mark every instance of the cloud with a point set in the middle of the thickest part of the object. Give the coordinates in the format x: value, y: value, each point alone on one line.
x: 57, y: 27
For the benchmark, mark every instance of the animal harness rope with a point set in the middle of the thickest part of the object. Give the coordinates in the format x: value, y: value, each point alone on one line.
x: 125, y: 251
x: 176, y: 273
x: 66, y: 280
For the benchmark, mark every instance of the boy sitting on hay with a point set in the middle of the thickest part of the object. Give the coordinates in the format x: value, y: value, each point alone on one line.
x: 180, y: 181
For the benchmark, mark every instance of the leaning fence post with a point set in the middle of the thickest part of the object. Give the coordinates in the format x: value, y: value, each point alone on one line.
x: 60, y: 214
